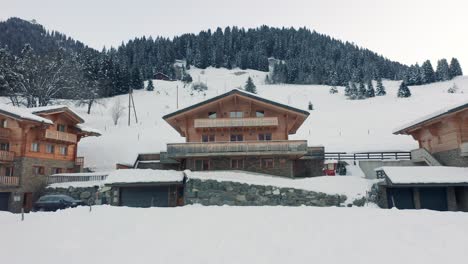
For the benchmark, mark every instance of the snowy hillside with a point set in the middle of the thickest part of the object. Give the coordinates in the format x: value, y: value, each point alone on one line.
x: 336, y: 123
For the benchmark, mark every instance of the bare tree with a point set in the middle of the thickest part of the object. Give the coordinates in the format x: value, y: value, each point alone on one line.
x: 117, y: 111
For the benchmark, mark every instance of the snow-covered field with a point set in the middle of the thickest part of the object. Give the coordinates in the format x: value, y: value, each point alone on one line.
x: 336, y: 123
x: 196, y: 234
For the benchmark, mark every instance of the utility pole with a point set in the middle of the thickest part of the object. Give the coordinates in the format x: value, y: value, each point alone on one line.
x: 177, y: 96
x: 131, y: 104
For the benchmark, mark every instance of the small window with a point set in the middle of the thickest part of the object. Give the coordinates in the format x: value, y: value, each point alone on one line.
x: 3, y: 123
x: 212, y: 115
x: 236, y: 114
x: 260, y: 113
x: 202, y: 165
x: 8, y: 171
x: 208, y: 138
x: 63, y: 150
x: 237, y: 163
x: 38, y: 170
x: 57, y: 170
x: 5, y: 146
x: 35, y: 147
x: 264, y: 136
x: 61, y: 127
x: 267, y: 163
x: 237, y: 137
x: 50, y: 148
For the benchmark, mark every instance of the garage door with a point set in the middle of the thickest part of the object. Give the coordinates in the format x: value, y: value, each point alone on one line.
x: 4, y: 198
x: 144, y: 196
x: 401, y: 198
x: 433, y: 198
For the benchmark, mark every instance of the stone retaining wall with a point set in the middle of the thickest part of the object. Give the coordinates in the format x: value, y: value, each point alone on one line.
x: 86, y: 194
x: 211, y: 192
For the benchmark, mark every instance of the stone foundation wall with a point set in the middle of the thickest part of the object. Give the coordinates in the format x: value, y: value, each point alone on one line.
x: 210, y: 192
x: 451, y: 158
x: 86, y: 194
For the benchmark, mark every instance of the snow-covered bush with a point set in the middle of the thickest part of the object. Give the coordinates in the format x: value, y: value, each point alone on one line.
x: 199, y: 86
x: 117, y: 111
x: 453, y: 89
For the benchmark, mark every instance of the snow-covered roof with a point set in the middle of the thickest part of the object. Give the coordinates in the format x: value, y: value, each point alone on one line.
x: 434, y: 115
x: 426, y: 174
x: 81, y: 174
x: 81, y: 184
x: 144, y: 176
x: 330, y: 161
x: 51, y: 108
x: 88, y: 130
x: 22, y: 113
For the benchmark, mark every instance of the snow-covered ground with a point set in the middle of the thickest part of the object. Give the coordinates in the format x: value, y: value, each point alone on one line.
x: 196, y: 234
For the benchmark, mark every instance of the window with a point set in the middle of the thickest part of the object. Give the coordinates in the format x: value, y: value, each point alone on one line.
x: 264, y: 136
x: 57, y: 170
x: 63, y: 150
x: 237, y: 137
x: 237, y: 163
x: 208, y: 138
x: 201, y: 165
x: 259, y: 113
x: 212, y: 115
x: 38, y: 170
x: 35, y: 147
x: 61, y: 127
x: 5, y: 146
x: 267, y: 163
x: 236, y: 114
x: 3, y: 123
x: 8, y: 171
x: 50, y: 148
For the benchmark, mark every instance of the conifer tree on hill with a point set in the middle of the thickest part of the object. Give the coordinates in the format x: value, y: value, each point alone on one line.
x: 250, y: 86
x: 404, y: 91
x: 455, y: 68
x: 150, y: 86
x: 443, y: 72
x: 370, y: 89
x: 353, y: 91
x: 380, y: 88
x: 427, y: 73
x: 348, y: 89
x: 362, y: 91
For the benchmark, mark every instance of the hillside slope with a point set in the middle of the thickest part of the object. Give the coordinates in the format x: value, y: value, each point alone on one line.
x: 336, y: 123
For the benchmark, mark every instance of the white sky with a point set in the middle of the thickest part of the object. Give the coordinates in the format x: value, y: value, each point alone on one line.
x: 408, y: 31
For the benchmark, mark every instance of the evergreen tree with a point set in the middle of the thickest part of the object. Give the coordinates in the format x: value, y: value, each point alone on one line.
x: 427, y: 73
x: 404, y: 91
x: 362, y: 91
x: 310, y: 106
x: 370, y: 89
x: 250, y: 86
x: 353, y: 91
x: 150, y: 86
x: 348, y: 89
x: 443, y: 72
x: 380, y: 88
x: 455, y: 68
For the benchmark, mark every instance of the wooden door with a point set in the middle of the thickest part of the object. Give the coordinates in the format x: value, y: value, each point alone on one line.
x: 27, y: 201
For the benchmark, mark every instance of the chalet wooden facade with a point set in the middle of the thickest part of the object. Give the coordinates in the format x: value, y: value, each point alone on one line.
x: 242, y: 131
x: 35, y: 143
x: 443, y: 134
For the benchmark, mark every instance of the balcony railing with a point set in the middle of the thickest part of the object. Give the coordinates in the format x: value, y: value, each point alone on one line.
x: 76, y: 177
x: 9, y: 181
x: 236, y: 122
x: 4, y: 132
x: 7, y: 155
x: 60, y: 136
x: 276, y: 147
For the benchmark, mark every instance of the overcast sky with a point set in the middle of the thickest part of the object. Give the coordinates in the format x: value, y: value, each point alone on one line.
x: 408, y: 31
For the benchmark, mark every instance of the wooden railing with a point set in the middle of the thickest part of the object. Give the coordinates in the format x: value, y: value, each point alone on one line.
x: 195, y: 149
x: 236, y: 122
x: 60, y: 136
x: 77, y: 177
x: 9, y: 180
x: 4, y: 132
x: 7, y: 155
x: 396, y: 155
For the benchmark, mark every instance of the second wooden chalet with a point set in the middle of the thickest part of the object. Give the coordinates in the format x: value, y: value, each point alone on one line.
x: 243, y: 131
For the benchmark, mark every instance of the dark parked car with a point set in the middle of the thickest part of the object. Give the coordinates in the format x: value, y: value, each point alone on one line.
x: 55, y: 202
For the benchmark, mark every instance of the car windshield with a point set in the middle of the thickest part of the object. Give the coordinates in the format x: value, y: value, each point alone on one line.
x: 53, y: 198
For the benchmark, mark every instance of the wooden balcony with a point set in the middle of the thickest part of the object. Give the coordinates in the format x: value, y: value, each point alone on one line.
x: 5, y: 132
x: 9, y: 181
x: 7, y: 156
x: 244, y: 148
x: 59, y: 136
x: 236, y: 122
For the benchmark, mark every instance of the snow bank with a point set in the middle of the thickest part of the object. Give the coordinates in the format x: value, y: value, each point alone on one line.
x: 229, y: 235
x: 144, y: 176
x: 352, y: 187
x: 423, y: 174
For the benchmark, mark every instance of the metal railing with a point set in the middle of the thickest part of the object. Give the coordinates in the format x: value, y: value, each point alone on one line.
x: 7, y: 155
x: 193, y: 149
x: 60, y: 136
x: 77, y: 177
x: 9, y: 180
x: 236, y: 122
x: 390, y: 155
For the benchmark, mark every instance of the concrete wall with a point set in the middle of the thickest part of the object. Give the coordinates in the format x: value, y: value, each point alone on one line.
x: 451, y: 158
x: 368, y: 166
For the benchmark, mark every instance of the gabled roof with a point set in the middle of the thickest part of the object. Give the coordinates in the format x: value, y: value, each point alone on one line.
x: 56, y: 109
x: 431, y: 117
x: 22, y: 114
x: 239, y: 92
